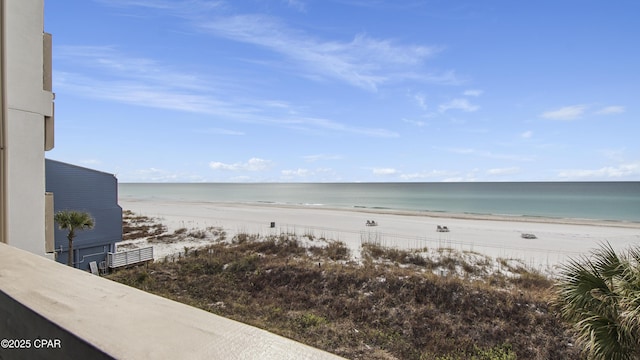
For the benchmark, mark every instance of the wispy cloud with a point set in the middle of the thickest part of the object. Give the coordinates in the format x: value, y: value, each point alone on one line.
x: 176, y: 7
x: 415, y: 122
x: 474, y: 93
x: 503, y: 171
x: 527, y: 134
x: 565, y: 113
x: 628, y: 170
x: 617, y: 155
x: 90, y: 162
x: 253, y: 164
x: 297, y: 4
x: 428, y: 175
x: 364, y: 61
x: 318, y: 174
x: 318, y: 157
x: 611, y: 110
x: 154, y: 4
x: 218, y: 131
x: 458, y: 104
x: 326, y: 124
x: 111, y: 63
x: 421, y: 100
x: 296, y: 173
x: 489, y: 154
x: 304, y: 173
x: 102, y: 72
x: 153, y: 174
x: 384, y: 171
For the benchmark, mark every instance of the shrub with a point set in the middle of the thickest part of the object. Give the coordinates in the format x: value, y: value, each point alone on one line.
x: 308, y: 320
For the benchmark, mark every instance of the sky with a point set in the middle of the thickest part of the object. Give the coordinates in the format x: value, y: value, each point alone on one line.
x: 347, y: 90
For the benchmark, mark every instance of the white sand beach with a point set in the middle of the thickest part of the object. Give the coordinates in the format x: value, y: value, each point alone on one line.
x: 495, y: 236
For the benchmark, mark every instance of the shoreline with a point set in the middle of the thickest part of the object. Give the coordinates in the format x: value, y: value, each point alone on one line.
x: 406, y: 212
x: 492, y: 235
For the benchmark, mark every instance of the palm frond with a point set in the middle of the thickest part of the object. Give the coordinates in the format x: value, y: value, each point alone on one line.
x: 600, y: 294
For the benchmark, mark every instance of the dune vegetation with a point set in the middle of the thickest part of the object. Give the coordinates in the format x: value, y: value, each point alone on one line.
x: 391, y: 304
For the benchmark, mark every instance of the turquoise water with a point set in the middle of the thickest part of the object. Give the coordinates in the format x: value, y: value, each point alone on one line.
x: 617, y: 201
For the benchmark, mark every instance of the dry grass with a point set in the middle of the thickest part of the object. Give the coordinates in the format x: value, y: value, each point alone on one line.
x: 394, y: 305
x: 136, y: 226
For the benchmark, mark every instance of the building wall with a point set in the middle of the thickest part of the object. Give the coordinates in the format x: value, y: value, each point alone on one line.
x: 95, y: 192
x: 27, y: 106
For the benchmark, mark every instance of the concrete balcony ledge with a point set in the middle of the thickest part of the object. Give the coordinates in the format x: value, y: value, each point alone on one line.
x: 65, y: 313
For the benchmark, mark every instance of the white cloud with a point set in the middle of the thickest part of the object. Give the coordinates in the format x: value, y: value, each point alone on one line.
x: 153, y: 174
x: 253, y: 164
x: 458, y: 104
x: 433, y: 174
x: 91, y: 162
x: 317, y: 174
x: 489, y: 154
x: 297, y: 4
x: 219, y: 131
x: 363, y: 62
x: 317, y: 157
x: 527, y: 134
x: 325, y: 124
x: 616, y: 155
x: 417, y: 123
x: 470, y: 176
x: 463, y: 151
x: 608, y: 172
x: 176, y: 7
x: 473, y: 92
x: 114, y: 76
x: 421, y: 100
x: 565, y: 113
x: 503, y: 171
x: 384, y: 171
x: 296, y: 173
x: 611, y: 110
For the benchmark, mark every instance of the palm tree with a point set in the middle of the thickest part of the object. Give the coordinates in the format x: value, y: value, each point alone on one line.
x: 73, y: 221
x: 600, y: 295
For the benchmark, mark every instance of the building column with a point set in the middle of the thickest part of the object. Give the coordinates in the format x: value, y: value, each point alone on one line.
x: 3, y: 115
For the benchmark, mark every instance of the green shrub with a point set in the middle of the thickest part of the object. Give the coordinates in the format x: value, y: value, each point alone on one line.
x: 308, y: 320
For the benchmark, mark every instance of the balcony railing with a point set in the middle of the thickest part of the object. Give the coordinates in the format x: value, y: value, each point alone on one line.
x: 53, y: 311
x: 129, y: 257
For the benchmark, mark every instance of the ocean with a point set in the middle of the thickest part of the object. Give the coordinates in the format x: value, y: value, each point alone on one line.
x: 613, y: 201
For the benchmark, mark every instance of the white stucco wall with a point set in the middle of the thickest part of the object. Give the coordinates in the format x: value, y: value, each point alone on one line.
x: 27, y: 105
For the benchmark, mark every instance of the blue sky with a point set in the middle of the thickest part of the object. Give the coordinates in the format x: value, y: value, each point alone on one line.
x: 347, y: 90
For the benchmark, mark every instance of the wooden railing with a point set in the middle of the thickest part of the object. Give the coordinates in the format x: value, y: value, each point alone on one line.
x: 129, y: 257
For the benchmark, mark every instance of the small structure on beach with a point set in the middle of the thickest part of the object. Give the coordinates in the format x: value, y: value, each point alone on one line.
x: 442, y: 229
x: 371, y: 223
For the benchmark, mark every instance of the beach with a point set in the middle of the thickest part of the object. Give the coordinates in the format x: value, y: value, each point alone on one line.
x: 557, y: 240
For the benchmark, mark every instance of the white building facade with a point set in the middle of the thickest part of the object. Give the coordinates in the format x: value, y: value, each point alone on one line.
x: 26, y: 125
